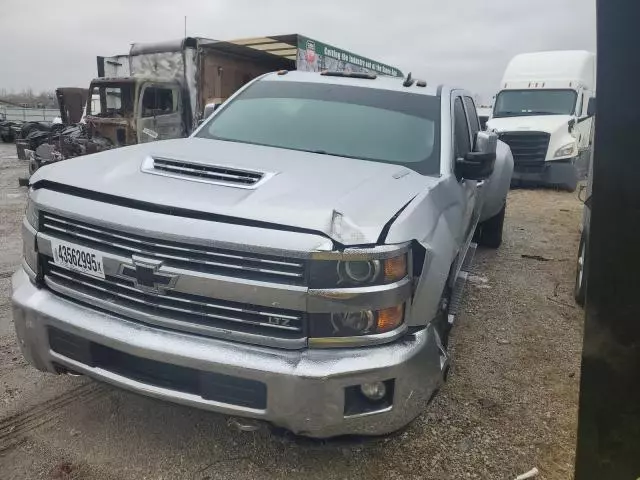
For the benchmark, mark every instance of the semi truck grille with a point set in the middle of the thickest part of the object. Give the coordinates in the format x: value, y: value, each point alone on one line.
x: 176, y: 254
x: 529, y: 149
x: 175, y: 310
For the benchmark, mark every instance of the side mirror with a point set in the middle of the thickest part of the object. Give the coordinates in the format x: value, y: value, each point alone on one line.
x: 478, y: 165
x: 475, y: 165
x: 209, y: 108
x: 591, y: 108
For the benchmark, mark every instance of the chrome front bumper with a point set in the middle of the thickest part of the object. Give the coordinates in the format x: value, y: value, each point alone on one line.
x: 305, y: 389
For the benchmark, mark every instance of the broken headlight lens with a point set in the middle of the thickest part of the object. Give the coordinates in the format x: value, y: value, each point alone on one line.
x: 357, y: 273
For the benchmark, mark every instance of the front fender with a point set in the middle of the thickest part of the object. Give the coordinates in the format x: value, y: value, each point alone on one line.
x: 432, y: 221
x: 496, y: 188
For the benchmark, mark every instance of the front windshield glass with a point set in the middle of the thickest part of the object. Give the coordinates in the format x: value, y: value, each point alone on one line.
x: 518, y: 103
x: 356, y: 122
x: 111, y: 100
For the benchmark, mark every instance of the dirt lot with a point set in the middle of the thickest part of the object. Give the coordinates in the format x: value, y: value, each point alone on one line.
x: 510, y: 403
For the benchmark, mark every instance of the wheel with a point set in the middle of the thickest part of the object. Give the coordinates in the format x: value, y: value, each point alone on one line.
x: 489, y: 232
x: 34, y: 165
x: 580, y: 290
x: 441, y: 322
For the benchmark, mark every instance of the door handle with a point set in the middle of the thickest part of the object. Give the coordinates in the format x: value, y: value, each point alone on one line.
x: 480, y: 183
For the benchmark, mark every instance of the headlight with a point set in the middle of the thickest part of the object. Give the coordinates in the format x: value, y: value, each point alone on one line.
x: 565, y: 151
x: 355, y: 324
x: 357, y: 273
x: 29, y: 250
x: 31, y: 214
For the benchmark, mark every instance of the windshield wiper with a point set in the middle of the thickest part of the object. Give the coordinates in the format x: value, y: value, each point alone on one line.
x: 508, y: 114
x: 324, y: 152
x: 320, y: 152
x: 541, y: 112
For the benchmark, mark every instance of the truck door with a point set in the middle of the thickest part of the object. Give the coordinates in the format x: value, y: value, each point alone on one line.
x: 159, y: 113
x: 583, y: 132
x: 462, y: 146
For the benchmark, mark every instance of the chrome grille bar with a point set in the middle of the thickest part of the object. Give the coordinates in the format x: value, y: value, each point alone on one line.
x: 184, y: 255
x: 192, y: 307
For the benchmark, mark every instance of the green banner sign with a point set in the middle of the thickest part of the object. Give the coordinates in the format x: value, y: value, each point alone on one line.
x: 316, y: 56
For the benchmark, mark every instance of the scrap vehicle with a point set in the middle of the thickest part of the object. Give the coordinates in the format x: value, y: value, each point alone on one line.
x: 170, y: 84
x: 299, y: 259
x: 544, y: 112
x: 42, y: 143
x: 9, y: 128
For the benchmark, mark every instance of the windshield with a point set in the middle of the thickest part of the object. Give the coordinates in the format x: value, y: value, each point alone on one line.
x: 518, y: 103
x: 364, y: 123
x: 111, y: 100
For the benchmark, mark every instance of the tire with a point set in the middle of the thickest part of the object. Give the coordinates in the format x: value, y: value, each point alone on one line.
x: 34, y: 165
x: 489, y: 232
x: 580, y: 288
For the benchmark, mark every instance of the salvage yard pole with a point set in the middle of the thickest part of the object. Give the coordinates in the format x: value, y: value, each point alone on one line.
x: 609, y: 416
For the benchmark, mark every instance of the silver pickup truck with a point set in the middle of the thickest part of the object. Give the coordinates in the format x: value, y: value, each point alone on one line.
x: 295, y: 260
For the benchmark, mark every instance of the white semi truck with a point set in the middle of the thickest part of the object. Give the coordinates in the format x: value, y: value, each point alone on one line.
x: 544, y: 112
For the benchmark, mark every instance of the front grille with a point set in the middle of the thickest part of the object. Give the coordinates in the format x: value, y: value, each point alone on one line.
x: 201, y: 171
x: 529, y: 149
x: 177, y: 310
x: 177, y: 254
x: 207, y: 385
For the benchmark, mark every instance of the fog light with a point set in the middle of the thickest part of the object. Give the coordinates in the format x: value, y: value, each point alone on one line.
x: 374, y: 391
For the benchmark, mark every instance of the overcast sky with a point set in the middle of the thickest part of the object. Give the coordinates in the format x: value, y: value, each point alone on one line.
x: 46, y: 44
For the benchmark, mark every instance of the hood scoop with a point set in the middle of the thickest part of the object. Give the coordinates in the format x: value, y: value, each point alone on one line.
x: 204, y: 172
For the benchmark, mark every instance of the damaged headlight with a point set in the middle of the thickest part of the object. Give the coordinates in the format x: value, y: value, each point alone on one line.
x: 355, y: 272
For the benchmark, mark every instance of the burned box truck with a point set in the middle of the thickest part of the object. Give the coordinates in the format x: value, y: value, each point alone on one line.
x: 162, y: 90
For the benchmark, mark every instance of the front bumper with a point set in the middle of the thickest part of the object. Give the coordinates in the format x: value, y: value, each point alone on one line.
x: 560, y: 173
x: 305, y: 389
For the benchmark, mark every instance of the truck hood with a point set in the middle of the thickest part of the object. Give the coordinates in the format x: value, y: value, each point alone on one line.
x: 347, y: 200
x: 537, y: 123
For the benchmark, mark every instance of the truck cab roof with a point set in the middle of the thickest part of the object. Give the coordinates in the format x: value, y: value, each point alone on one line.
x: 379, y: 82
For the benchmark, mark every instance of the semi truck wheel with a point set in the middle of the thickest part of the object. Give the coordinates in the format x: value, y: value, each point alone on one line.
x: 579, y: 291
x: 489, y: 232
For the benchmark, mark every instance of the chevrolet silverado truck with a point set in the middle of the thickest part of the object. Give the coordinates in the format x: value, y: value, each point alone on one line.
x: 296, y: 260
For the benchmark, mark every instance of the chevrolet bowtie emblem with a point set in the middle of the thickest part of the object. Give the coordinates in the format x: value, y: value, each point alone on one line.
x: 146, y: 277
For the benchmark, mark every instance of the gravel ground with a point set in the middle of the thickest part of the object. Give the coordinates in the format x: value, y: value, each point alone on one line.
x: 510, y: 403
